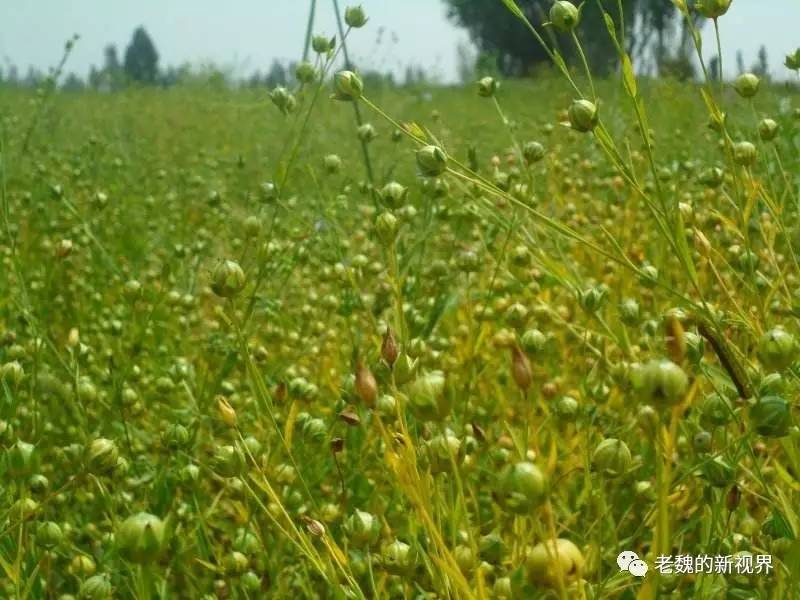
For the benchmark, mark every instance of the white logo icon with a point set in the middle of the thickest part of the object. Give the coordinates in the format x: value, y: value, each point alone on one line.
x: 629, y: 561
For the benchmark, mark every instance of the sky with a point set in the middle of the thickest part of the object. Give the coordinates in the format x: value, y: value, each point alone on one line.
x: 246, y: 35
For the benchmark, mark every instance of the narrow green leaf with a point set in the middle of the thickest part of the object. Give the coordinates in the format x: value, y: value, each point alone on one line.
x: 629, y: 77
x: 612, y: 31
x: 515, y: 10
x: 683, y: 245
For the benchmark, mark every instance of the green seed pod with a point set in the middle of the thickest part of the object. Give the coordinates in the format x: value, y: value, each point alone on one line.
x: 322, y: 44
x: 12, y: 373
x: 189, y: 474
x: 712, y: 9
x: 332, y: 163
x: 393, y: 194
x: 427, y: 399
x: 386, y: 405
x: 21, y: 460
x: 101, y: 456
x: 468, y: 261
x: 533, y: 341
x: 132, y: 290
x: 97, y: 587
x: 487, y: 86
x: 611, y: 457
x: 366, y: 132
x: 715, y: 411
x: 305, y: 72
x: 644, y: 490
x: 141, y: 538
x: 176, y: 436
x: 565, y: 408
x: 771, y: 384
x: 82, y: 566
x: 49, y: 534
x: 695, y: 347
x: 363, y: 529
x: 647, y: 418
x: 491, y: 548
x: 252, y: 445
x: 552, y: 561
x: 38, y: 484
x: 701, y: 442
x: 387, y: 226
x: 503, y: 589
x: 648, y: 276
x: 431, y: 161
x: 250, y: 581
x: 228, y: 279
x: 564, y: 16
x: 661, y: 381
x: 398, y: 558
x: 405, y: 368
x: 465, y: 558
x: 246, y: 542
x: 228, y: 461
x: 268, y: 191
x: 792, y: 61
x: 521, y: 487
x: 592, y: 299
x: 777, y: 349
x: 285, y: 101
x: 444, y: 452
x: 771, y: 416
x: 347, y: 86
x: 629, y: 311
x: 712, y: 177
x: 533, y: 152
x: 583, y: 114
x: 767, y: 130
x: 744, y: 154
x: 235, y: 563
x: 251, y: 226
x: 748, y: 261
x: 355, y: 17
x: 718, y: 472
x: 315, y: 430
x: 746, y: 85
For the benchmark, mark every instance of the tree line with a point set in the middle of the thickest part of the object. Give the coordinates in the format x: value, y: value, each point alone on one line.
x: 654, y: 34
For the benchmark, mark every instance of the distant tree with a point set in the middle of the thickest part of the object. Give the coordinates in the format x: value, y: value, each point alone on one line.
x: 467, y: 63
x: 276, y: 75
x: 170, y: 76
x: 740, y: 62
x: 654, y: 33
x: 141, y: 58
x: 255, y: 80
x: 34, y: 78
x: 95, y: 78
x: 495, y: 30
x: 761, y: 68
x: 112, y: 75
x: 73, y: 83
x: 713, y: 68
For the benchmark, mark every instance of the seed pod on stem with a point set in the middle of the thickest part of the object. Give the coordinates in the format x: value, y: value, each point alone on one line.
x: 389, y: 349
x: 365, y: 385
x: 355, y: 17
x: 347, y: 86
x: 675, y: 338
x: 521, y: 368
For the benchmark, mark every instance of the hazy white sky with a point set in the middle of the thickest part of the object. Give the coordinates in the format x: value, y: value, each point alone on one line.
x: 248, y: 34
